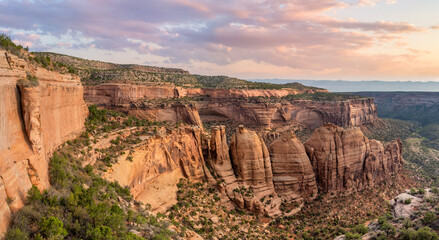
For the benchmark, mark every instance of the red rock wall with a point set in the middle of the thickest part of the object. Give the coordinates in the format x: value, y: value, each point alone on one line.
x: 344, y: 159
x: 234, y: 104
x: 33, y: 122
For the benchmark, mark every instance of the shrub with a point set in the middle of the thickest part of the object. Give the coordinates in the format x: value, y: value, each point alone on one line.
x: 413, y: 191
x: 361, y: 229
x: 424, y: 233
x: 388, y: 228
x: 30, y: 81
x: 52, y: 228
x: 352, y: 236
x: 407, y: 201
x: 16, y: 234
x: 429, y: 218
x: 7, y: 44
x: 34, y: 194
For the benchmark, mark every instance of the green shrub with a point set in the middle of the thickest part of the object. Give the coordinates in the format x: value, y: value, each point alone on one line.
x: 16, y: 234
x: 52, y: 228
x: 30, y: 81
x: 407, y: 201
x: 413, y: 191
x: 424, y: 233
x: 352, y: 236
x: 7, y: 44
x: 361, y: 229
x: 429, y: 218
x: 388, y: 228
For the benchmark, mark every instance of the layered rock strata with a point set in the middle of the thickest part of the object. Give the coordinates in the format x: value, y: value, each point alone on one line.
x: 157, y: 165
x: 311, y: 113
x: 344, y: 159
x: 232, y: 104
x: 293, y: 174
x: 245, y: 170
x: 34, y: 120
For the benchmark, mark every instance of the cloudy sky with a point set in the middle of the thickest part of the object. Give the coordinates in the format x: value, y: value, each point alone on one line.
x: 295, y: 39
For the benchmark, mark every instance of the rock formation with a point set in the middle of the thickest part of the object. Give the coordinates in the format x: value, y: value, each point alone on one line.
x: 158, y: 164
x: 314, y: 114
x: 176, y: 112
x: 231, y: 104
x: 293, y: 175
x: 245, y: 170
x: 344, y: 159
x: 33, y: 122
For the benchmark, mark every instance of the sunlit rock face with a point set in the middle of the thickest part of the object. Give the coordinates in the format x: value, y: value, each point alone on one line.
x: 34, y: 120
x: 343, y: 158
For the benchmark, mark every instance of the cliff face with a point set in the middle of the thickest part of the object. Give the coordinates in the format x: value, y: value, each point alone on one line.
x: 158, y: 164
x: 344, y: 158
x: 293, y: 173
x: 251, y: 163
x: 311, y: 113
x: 33, y: 121
x: 176, y: 112
x: 251, y: 176
x: 414, y: 106
x: 231, y: 104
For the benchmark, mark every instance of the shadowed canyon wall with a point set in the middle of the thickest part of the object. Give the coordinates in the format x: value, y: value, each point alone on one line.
x: 34, y: 120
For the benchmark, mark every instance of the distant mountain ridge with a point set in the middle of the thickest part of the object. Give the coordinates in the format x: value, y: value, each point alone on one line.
x: 361, y: 86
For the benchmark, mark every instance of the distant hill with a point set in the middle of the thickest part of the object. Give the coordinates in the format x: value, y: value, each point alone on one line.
x: 360, y: 86
x: 96, y: 72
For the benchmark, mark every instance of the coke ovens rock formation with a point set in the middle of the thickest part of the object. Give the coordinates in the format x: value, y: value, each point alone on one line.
x: 293, y: 173
x: 344, y: 159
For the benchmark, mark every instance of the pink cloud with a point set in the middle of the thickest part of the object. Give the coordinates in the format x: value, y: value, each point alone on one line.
x: 289, y: 33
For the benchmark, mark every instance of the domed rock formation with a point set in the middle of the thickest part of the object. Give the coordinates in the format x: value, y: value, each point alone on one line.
x: 293, y: 175
x: 343, y: 159
x: 252, y: 165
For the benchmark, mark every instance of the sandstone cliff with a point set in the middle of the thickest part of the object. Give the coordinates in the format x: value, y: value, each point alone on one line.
x: 231, y: 104
x: 158, y: 164
x: 245, y: 170
x: 311, y: 113
x: 34, y: 120
x: 293, y: 174
x: 344, y: 159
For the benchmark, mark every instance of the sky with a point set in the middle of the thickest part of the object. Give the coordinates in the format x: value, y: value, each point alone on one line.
x: 251, y: 39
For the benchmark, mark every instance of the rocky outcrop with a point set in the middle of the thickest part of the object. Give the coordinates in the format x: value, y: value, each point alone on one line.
x: 245, y: 170
x: 344, y: 159
x: 157, y: 164
x: 311, y: 113
x: 175, y: 113
x: 33, y: 122
x: 293, y: 175
x: 119, y: 94
x: 111, y: 94
x: 232, y: 104
x: 251, y: 160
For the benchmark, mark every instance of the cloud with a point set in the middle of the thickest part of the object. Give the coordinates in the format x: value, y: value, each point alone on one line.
x: 296, y: 34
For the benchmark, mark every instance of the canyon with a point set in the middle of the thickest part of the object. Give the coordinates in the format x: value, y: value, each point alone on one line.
x: 249, y: 106
x: 266, y: 169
